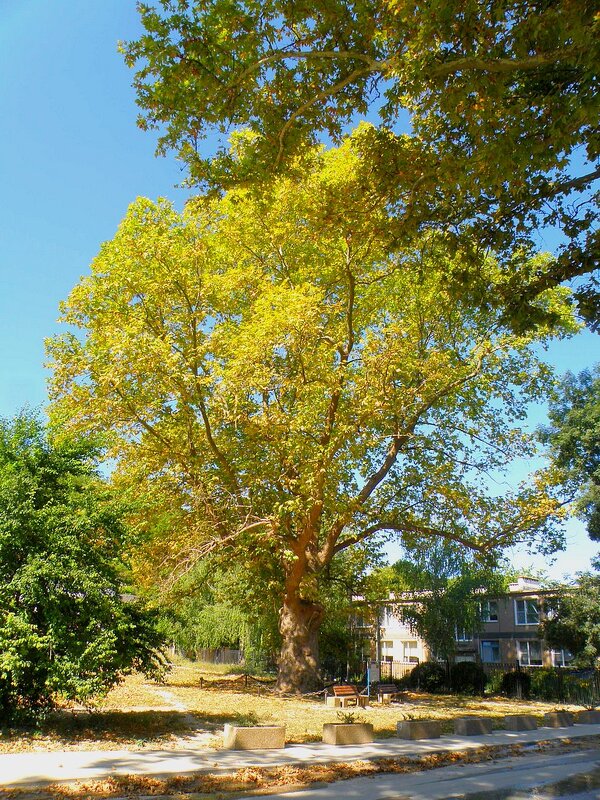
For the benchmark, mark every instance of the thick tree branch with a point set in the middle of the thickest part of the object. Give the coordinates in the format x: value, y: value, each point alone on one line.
x: 504, y: 65
x: 425, y: 530
x: 214, y: 447
x: 329, y: 91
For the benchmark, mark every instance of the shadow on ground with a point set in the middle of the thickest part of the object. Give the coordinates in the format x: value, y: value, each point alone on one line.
x: 121, y: 727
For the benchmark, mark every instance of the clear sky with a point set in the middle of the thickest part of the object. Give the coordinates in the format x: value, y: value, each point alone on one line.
x: 71, y: 161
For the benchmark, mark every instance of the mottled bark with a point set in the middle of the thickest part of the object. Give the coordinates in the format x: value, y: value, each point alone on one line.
x: 299, y: 623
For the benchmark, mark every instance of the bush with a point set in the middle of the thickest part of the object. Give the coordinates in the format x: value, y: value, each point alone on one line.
x: 494, y: 682
x: 466, y: 677
x: 565, y: 686
x: 516, y: 684
x: 548, y: 684
x: 426, y: 677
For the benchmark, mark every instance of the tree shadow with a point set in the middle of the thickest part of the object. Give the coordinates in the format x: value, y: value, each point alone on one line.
x: 65, y: 728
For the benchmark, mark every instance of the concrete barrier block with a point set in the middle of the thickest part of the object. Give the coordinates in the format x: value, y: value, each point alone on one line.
x: 558, y: 719
x: 520, y: 722
x: 347, y: 733
x: 333, y: 702
x: 472, y: 726
x: 260, y: 737
x: 419, y: 729
x: 589, y: 717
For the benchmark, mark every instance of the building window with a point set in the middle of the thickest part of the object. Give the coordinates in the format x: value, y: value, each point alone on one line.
x: 490, y: 651
x: 561, y: 658
x: 530, y: 653
x: 488, y: 610
x: 463, y: 635
x: 527, y: 612
x: 409, y: 651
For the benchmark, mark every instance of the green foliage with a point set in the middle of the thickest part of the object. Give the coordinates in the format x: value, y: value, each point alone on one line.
x: 212, y: 607
x: 466, y: 677
x: 499, y: 97
x: 516, y: 684
x: 573, y: 439
x: 565, y: 686
x: 352, y: 574
x: 64, y: 627
x: 429, y: 676
x: 548, y: 684
x: 494, y: 682
x: 441, y: 590
x: 572, y: 619
x: 199, y: 626
x: 247, y: 720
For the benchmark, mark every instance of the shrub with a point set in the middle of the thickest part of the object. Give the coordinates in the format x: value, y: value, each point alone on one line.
x: 516, y: 684
x: 466, y: 677
x: 65, y: 626
x: 566, y: 686
x: 494, y: 682
x: 548, y: 684
x: 427, y: 677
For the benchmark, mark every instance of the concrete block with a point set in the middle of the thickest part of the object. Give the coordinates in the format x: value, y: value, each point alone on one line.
x: 333, y: 702
x: 472, y: 726
x: 558, y: 719
x: 260, y: 737
x: 520, y: 722
x: 589, y: 717
x: 347, y: 733
x: 419, y: 729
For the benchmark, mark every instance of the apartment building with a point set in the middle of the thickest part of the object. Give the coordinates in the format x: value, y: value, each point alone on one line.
x: 509, y: 632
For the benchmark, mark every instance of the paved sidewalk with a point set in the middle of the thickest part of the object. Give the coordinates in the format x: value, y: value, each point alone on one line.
x: 27, y: 769
x: 510, y: 778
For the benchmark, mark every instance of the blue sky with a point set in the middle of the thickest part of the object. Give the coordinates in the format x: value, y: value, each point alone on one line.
x: 71, y: 161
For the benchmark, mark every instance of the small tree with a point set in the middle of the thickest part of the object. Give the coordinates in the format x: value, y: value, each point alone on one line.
x: 573, y: 438
x: 443, y: 589
x: 64, y: 626
x: 573, y: 619
x: 215, y: 605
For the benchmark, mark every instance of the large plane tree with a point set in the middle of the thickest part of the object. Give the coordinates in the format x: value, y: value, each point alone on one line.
x: 281, y: 388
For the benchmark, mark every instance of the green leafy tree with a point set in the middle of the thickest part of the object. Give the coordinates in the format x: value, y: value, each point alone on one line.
x: 280, y: 388
x: 573, y: 438
x: 573, y: 619
x: 441, y: 593
x: 503, y: 101
x: 217, y: 605
x: 64, y: 627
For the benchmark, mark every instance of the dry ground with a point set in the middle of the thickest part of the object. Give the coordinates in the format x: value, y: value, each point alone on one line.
x: 196, y: 700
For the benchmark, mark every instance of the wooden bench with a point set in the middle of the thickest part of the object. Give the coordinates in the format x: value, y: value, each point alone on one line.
x: 386, y: 692
x: 346, y: 695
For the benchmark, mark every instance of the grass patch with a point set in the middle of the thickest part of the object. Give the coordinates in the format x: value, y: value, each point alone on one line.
x: 197, y: 700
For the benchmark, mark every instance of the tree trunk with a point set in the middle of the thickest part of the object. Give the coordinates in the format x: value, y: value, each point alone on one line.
x: 299, y: 623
